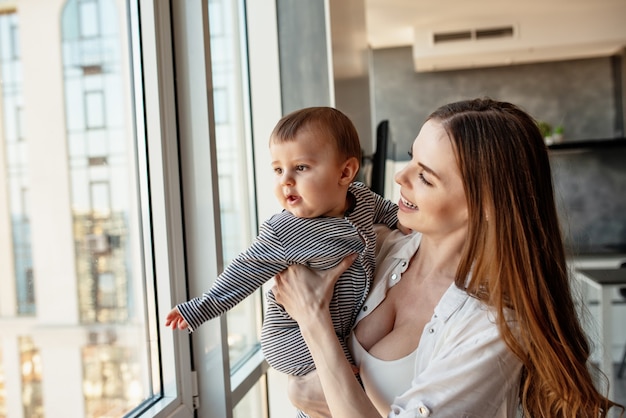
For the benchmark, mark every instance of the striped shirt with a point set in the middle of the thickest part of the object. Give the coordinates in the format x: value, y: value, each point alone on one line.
x: 319, y: 243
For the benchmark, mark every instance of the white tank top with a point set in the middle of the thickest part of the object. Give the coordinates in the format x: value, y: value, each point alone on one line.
x: 383, y: 379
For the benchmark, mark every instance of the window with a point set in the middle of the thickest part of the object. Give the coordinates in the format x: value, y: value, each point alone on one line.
x: 102, y: 208
x: 16, y: 163
x: 3, y: 391
x: 76, y: 309
x: 234, y: 159
x: 30, y: 363
x: 226, y: 206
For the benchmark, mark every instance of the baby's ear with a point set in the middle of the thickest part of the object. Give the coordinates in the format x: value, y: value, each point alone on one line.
x: 349, y: 171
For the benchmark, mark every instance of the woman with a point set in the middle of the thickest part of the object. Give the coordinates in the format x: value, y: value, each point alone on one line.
x: 480, y: 302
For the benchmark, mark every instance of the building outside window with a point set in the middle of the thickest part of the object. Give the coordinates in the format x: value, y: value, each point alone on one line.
x: 30, y: 362
x: 3, y: 390
x: 16, y: 161
x: 82, y: 242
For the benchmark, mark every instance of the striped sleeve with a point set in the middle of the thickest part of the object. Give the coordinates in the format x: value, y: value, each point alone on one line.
x: 248, y: 272
x: 384, y: 211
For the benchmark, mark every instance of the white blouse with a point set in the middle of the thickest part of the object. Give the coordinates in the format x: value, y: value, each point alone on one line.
x: 462, y: 367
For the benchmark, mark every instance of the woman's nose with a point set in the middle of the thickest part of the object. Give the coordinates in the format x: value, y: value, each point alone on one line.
x: 400, y: 175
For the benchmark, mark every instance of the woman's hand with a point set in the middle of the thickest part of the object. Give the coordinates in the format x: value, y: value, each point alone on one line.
x: 303, y: 291
x: 305, y: 294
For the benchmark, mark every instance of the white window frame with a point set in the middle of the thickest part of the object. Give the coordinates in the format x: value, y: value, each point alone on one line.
x: 181, y: 153
x: 153, y: 80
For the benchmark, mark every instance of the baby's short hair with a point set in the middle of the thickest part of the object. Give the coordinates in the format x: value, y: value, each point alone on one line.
x: 328, y: 120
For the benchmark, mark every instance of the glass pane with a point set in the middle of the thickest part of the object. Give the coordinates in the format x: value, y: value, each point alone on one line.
x: 30, y: 361
x: 88, y: 18
x: 3, y: 391
x: 74, y: 337
x: 253, y: 405
x: 94, y: 108
x: 16, y: 167
x: 232, y: 123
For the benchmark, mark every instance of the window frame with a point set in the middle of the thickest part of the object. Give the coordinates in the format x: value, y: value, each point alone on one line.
x: 172, y: 51
x: 161, y: 212
x: 220, y: 390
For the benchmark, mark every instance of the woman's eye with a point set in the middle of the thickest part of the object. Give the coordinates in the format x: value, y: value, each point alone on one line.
x: 423, y: 180
x: 410, y: 152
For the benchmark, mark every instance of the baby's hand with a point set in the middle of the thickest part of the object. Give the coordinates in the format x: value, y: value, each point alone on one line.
x: 403, y: 229
x: 176, y: 320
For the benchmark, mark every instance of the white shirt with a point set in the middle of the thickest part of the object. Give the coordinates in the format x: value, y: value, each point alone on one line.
x: 462, y: 366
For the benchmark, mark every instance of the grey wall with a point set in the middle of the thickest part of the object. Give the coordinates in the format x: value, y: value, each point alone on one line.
x: 586, y: 96
x: 303, y: 52
x: 590, y: 192
x: 351, y: 65
x: 579, y: 94
x: 307, y: 78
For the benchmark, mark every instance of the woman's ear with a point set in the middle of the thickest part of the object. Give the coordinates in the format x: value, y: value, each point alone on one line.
x: 350, y: 170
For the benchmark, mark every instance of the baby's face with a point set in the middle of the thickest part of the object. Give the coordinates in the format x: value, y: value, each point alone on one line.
x: 308, y: 175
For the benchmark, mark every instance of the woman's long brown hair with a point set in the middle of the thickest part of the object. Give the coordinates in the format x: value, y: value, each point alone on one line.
x: 516, y: 257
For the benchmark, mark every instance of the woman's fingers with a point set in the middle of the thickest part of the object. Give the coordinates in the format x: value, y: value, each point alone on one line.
x: 343, y: 266
x: 298, y: 287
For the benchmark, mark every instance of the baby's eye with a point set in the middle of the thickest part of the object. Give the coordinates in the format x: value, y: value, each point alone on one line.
x: 301, y: 167
x: 278, y: 170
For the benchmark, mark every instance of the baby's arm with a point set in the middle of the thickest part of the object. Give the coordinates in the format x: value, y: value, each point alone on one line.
x: 386, y: 212
x: 247, y: 273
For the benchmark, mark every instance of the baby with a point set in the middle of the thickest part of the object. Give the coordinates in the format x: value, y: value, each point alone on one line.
x: 315, y: 157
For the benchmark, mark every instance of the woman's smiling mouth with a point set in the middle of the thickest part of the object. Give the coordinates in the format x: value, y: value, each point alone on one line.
x: 407, y: 203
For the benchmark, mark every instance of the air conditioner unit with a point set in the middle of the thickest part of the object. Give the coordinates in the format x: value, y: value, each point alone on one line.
x: 485, y: 43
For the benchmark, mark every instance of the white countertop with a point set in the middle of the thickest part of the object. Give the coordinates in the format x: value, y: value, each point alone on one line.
x: 601, y: 261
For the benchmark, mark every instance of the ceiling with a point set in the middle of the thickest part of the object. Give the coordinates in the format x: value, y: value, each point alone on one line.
x: 541, y: 30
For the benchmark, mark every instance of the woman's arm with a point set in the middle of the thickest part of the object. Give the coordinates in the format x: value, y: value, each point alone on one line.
x: 306, y: 295
x: 306, y: 394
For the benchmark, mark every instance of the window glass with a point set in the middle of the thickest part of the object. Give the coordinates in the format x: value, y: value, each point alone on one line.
x: 3, y: 390
x: 74, y: 338
x: 16, y: 164
x: 233, y: 143
x: 248, y: 407
x: 30, y: 361
x: 111, y: 375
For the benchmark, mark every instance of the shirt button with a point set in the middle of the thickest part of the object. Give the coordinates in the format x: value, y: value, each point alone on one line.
x: 403, y: 263
x: 365, y: 308
x: 394, y: 276
x: 423, y: 411
x: 431, y: 330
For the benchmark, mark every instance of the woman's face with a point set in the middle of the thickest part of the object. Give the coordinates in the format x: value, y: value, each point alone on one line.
x: 432, y: 197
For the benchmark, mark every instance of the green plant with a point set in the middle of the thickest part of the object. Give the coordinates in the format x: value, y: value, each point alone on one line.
x: 545, y: 128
